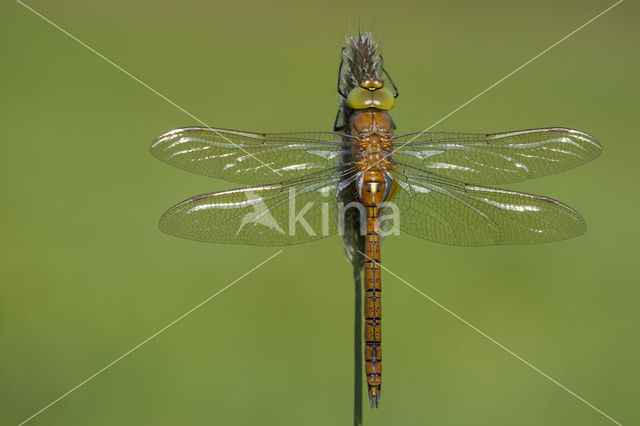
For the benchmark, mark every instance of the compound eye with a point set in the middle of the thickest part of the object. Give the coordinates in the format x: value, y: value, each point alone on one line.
x: 360, y: 98
x: 383, y: 98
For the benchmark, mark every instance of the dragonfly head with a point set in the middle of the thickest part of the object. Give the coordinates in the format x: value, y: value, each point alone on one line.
x: 370, y: 94
x: 371, y: 83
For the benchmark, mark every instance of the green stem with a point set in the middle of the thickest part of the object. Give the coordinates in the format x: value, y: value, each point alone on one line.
x: 357, y: 339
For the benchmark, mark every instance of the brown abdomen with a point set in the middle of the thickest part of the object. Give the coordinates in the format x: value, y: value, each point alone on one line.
x: 373, y: 190
x: 372, y: 307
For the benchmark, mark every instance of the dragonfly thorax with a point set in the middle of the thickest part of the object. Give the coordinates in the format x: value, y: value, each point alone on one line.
x: 373, y: 130
x: 371, y: 120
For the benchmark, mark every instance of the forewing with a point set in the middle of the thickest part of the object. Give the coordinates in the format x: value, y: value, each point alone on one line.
x: 293, y: 212
x: 496, y: 158
x: 450, y: 212
x: 249, y: 158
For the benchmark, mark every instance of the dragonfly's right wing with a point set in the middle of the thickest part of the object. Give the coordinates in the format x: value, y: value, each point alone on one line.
x: 249, y: 158
x: 293, y: 212
x: 495, y: 158
x: 446, y: 211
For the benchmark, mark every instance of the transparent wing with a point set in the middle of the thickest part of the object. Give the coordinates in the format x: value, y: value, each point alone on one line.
x: 249, y: 158
x: 496, y: 158
x: 292, y: 212
x: 446, y: 211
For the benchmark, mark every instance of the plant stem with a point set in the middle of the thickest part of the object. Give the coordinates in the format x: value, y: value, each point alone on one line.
x: 357, y: 346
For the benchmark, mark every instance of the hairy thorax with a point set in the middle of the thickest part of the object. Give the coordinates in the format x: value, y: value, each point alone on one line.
x: 373, y: 130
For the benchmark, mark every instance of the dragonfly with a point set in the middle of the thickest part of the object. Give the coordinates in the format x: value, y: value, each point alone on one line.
x: 365, y: 183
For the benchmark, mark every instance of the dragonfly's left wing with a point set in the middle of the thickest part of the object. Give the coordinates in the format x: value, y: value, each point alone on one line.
x: 495, y: 158
x: 451, y: 212
x: 292, y: 212
x: 249, y: 158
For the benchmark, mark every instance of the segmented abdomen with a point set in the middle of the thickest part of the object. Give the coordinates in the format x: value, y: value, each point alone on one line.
x: 372, y: 307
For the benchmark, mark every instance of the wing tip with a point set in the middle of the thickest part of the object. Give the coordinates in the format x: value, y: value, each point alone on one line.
x: 596, y: 147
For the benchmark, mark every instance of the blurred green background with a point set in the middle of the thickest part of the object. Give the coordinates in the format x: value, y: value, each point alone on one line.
x: 86, y: 275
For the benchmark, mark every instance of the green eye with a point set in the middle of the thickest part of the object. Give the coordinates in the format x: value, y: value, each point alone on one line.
x: 360, y: 98
x: 383, y: 98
